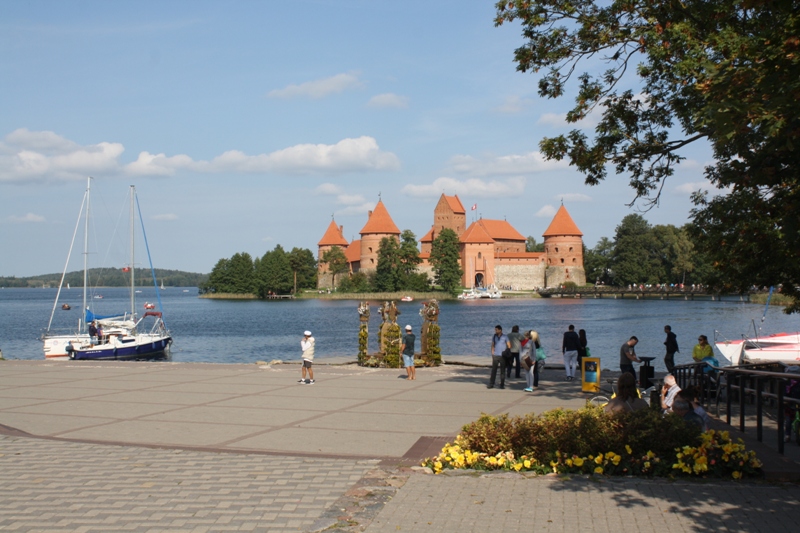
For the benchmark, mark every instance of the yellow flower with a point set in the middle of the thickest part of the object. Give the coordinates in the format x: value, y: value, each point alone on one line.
x: 599, y: 459
x: 628, y: 449
x: 518, y: 467
x: 578, y: 461
x: 527, y: 463
x: 569, y: 462
x: 616, y: 460
x: 598, y: 470
x: 737, y: 474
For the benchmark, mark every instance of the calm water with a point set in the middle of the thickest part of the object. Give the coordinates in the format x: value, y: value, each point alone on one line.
x: 219, y: 331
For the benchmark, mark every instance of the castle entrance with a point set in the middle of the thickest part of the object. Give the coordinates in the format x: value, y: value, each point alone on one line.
x: 479, y: 280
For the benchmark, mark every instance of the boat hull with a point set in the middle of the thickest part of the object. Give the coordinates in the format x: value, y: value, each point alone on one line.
x: 147, y: 348
x: 55, y: 346
x: 781, y: 347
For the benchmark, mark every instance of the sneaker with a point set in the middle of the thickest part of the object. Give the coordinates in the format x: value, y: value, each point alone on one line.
x: 528, y: 389
x: 311, y: 382
x: 502, y: 387
x: 301, y: 381
x: 489, y: 386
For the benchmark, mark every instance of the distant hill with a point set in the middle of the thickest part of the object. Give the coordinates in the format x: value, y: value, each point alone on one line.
x: 110, y: 277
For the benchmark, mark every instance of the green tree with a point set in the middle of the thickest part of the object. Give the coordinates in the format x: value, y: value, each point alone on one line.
x: 408, y: 256
x: 275, y: 273
x: 304, y: 268
x: 387, y: 271
x: 446, y: 261
x: 336, y: 261
x: 597, y: 261
x: 219, y: 280
x: 632, y: 251
x: 725, y: 72
x: 241, y: 274
x: 532, y: 246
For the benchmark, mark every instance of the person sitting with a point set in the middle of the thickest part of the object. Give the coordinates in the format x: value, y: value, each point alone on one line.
x: 668, y: 392
x: 627, y: 399
x: 683, y: 409
x: 690, y: 395
x: 702, y: 349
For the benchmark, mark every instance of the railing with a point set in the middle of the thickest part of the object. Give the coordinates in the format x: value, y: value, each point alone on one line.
x: 754, y: 384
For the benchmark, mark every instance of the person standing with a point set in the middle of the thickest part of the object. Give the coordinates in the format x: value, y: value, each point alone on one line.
x: 407, y: 349
x: 702, y: 349
x: 500, y: 343
x: 672, y: 346
x: 93, y: 332
x: 627, y: 356
x: 582, y: 351
x: 533, y: 370
x: 569, y: 347
x: 307, y: 345
x: 515, y: 338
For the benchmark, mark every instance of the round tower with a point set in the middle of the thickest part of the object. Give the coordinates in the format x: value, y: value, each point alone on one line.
x: 563, y: 246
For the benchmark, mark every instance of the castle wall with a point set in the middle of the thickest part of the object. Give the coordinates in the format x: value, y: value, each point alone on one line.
x: 525, y: 276
x: 557, y: 275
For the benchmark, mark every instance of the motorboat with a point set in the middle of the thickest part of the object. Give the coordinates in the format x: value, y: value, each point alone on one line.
x: 469, y: 294
x: 778, y: 347
x: 66, y: 307
x: 148, y: 305
x: 406, y: 299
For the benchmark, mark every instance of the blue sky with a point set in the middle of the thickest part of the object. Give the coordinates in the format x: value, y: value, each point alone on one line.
x: 249, y: 124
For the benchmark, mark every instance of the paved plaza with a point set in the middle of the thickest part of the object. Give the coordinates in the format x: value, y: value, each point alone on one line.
x: 151, y: 446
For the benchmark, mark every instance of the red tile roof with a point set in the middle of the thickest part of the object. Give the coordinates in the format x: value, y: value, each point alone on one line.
x: 333, y: 236
x: 380, y: 222
x: 519, y: 255
x: 562, y: 224
x: 500, y: 230
x: 455, y: 204
x: 428, y: 236
x: 353, y: 252
x: 475, y: 234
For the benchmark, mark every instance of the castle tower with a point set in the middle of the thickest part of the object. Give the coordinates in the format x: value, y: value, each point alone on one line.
x: 477, y: 256
x: 448, y: 213
x: 563, y: 245
x: 334, y: 236
x: 378, y: 226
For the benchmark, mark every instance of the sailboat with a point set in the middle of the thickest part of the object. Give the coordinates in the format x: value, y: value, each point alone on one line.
x: 125, y: 335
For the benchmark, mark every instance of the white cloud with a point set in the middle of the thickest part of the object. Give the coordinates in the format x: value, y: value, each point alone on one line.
x: 388, y: 100
x: 546, y: 212
x: 328, y: 189
x: 318, y: 88
x: 360, y: 209
x: 469, y: 187
x: 165, y: 216
x: 689, y: 188
x: 351, y: 199
x: 559, y: 120
x: 30, y: 217
x: 26, y: 155
x: 513, y: 105
x: 508, y: 164
x: 573, y: 197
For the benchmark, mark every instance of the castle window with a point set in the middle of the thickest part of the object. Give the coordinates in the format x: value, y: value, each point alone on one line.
x: 562, y: 260
x: 574, y: 260
x: 479, y: 255
x: 570, y: 248
x: 371, y: 261
x: 370, y: 249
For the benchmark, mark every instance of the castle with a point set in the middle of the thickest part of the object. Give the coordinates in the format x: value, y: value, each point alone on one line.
x: 492, y: 251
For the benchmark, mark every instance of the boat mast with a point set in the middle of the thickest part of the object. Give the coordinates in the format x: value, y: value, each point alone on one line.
x: 85, y: 255
x: 133, y: 284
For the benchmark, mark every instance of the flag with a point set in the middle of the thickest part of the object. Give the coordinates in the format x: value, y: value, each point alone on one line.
x: 474, y: 207
x: 126, y: 269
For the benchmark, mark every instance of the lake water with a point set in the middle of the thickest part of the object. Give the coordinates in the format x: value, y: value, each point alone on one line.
x: 224, y: 331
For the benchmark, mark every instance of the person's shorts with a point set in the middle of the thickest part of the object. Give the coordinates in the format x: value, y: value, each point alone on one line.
x: 306, y: 363
x: 408, y: 360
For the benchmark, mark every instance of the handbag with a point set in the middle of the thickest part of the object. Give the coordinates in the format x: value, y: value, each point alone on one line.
x: 540, y: 355
x: 528, y: 361
x: 506, y: 353
x: 588, y: 353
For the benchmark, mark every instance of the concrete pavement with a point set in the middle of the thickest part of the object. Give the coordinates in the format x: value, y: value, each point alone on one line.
x: 137, y: 446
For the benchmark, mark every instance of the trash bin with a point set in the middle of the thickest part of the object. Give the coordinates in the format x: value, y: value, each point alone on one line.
x: 590, y: 374
x: 646, y: 373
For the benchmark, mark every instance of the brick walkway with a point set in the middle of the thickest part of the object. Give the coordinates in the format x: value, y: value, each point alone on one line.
x: 513, y: 503
x: 53, y: 486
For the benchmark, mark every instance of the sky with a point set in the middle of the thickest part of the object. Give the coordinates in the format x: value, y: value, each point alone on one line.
x: 250, y: 124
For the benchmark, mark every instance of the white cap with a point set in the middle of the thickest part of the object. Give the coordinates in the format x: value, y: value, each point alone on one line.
x: 307, y: 333
x: 408, y: 327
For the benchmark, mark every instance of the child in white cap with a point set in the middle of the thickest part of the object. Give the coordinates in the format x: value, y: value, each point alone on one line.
x: 307, y: 344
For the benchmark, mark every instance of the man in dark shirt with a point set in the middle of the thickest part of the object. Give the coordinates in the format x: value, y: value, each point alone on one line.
x: 627, y: 356
x: 569, y: 348
x: 672, y: 346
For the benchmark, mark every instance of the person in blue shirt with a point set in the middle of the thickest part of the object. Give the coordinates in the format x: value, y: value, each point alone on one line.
x: 500, y: 343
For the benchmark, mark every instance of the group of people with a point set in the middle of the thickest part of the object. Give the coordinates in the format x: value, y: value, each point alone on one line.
x: 522, y: 350
x: 574, y: 348
x: 673, y: 400
x: 96, y: 333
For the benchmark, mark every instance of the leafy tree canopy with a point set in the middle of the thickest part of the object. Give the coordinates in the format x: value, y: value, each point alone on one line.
x: 336, y: 261
x: 723, y: 71
x: 446, y: 260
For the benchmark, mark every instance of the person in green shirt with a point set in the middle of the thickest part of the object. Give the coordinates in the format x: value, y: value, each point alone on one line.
x: 702, y: 349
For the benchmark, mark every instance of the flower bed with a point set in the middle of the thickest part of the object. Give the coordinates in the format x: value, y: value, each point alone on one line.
x: 590, y: 441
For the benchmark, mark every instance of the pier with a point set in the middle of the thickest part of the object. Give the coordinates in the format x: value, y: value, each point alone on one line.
x: 638, y: 293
